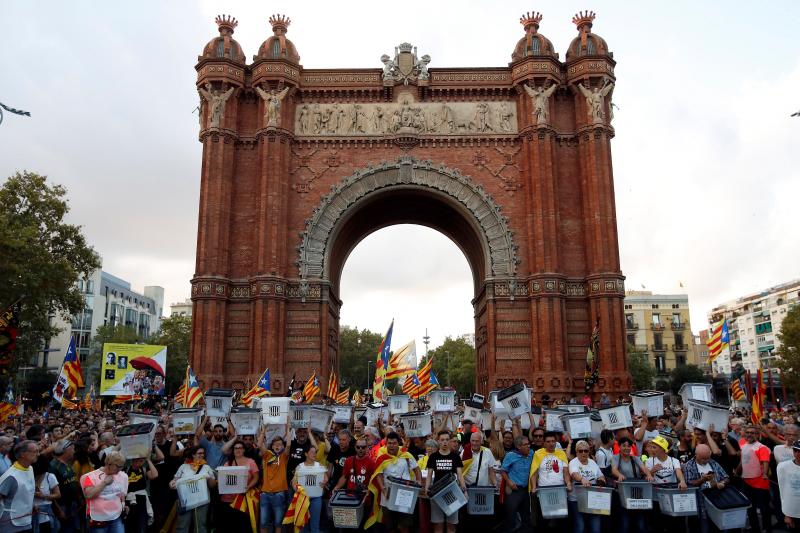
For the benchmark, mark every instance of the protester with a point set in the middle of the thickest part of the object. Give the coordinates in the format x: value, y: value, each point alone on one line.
x: 443, y: 463
x: 46, y: 494
x: 68, y: 486
x: 193, y: 520
x: 237, y: 520
x: 584, y: 471
x: 754, y: 469
x: 395, y: 463
x: 273, y: 481
x: 516, y: 468
x: 139, y: 471
x: 663, y: 468
x: 6, y: 443
x: 105, y: 490
x: 308, y: 467
x: 789, y: 486
x: 17, y: 488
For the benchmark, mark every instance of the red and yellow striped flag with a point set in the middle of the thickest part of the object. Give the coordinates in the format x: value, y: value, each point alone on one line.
x: 759, y: 391
x: 7, y: 410
x: 736, y: 390
x: 311, y: 388
x: 66, y: 404
x: 343, y: 397
x: 179, y: 396
x: 297, y: 514
x: 248, y: 503
x: 717, y: 340
x: 333, y: 386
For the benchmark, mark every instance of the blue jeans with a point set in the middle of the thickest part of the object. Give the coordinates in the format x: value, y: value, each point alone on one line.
x: 273, y: 507
x: 115, y: 526
x: 581, y: 520
x: 631, y: 521
x: 314, y: 511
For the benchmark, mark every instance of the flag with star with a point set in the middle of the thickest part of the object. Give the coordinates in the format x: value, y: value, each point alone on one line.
x: 260, y: 390
x: 343, y: 397
x: 192, y: 393
x: 311, y: 387
x: 70, y: 379
x: 382, y: 364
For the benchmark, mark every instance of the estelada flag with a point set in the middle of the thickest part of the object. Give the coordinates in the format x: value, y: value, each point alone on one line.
x: 311, y: 388
x: 343, y: 397
x: 260, y: 390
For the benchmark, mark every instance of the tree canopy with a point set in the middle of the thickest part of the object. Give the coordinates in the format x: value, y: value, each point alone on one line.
x: 356, y: 350
x: 41, y: 258
x: 789, y: 350
x: 686, y: 374
x: 642, y: 373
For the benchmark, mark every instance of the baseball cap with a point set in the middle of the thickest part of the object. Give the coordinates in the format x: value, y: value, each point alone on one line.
x: 62, y: 446
x: 662, y: 442
x: 796, y: 446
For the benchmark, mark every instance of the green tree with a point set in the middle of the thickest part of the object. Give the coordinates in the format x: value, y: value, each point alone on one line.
x: 642, y: 373
x: 357, y: 349
x: 454, y: 364
x: 686, y: 374
x: 789, y: 351
x: 41, y: 258
x: 176, y: 334
x: 104, y: 335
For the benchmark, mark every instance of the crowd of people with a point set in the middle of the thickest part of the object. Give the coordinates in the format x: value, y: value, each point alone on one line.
x: 64, y: 471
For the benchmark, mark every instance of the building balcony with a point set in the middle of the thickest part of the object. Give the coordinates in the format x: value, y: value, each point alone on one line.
x: 657, y: 327
x: 680, y: 347
x: 659, y: 347
x: 631, y: 325
x: 641, y: 348
x: 677, y: 327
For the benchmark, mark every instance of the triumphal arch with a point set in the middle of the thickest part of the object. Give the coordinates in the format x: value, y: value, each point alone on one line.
x: 513, y: 163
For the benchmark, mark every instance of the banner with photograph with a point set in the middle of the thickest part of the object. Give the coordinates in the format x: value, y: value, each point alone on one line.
x: 133, y: 369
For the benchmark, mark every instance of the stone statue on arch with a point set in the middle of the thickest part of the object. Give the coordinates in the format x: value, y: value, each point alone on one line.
x: 216, y: 98
x: 540, y: 97
x: 272, y: 105
x: 595, y: 100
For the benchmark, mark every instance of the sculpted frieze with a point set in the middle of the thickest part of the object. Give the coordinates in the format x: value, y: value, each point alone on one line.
x: 407, y: 116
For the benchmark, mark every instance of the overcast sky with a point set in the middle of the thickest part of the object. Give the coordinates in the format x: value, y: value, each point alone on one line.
x: 705, y: 157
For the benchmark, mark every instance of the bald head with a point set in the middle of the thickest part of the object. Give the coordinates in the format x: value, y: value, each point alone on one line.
x: 475, y: 440
x: 702, y: 453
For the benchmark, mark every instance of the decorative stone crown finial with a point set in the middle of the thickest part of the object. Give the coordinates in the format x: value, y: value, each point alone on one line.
x: 583, y: 19
x: 280, y: 22
x: 226, y: 23
x: 531, y: 19
x: 405, y: 47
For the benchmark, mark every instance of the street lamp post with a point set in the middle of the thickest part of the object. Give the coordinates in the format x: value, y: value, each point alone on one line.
x: 368, y: 384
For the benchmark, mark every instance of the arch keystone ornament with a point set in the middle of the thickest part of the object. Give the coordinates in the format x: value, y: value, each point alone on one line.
x: 512, y: 163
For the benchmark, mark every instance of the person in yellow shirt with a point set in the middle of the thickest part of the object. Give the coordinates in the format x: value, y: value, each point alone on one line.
x: 273, y: 481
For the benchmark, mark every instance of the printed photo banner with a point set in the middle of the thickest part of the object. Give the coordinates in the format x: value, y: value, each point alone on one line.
x: 133, y: 369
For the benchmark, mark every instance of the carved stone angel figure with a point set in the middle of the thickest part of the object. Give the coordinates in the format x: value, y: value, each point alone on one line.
x: 216, y: 100
x: 272, y: 107
x: 595, y: 100
x: 388, y: 67
x: 541, y: 102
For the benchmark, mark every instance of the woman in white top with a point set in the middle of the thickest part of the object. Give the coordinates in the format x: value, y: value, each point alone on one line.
x: 47, y: 492
x: 584, y: 470
x: 105, y: 490
x: 194, y: 465
x: 307, y: 468
x: 663, y: 468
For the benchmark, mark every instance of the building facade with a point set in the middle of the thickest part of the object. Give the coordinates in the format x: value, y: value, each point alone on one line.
x: 511, y: 162
x: 658, y: 325
x: 109, y: 300
x: 183, y: 308
x: 753, y: 323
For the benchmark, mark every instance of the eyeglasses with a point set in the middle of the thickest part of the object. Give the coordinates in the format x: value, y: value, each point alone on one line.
x: 582, y: 451
x: 361, y: 447
x: 238, y: 447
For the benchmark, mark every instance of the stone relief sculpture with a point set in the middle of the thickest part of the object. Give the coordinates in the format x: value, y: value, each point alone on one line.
x: 595, y: 99
x: 272, y: 107
x: 406, y: 116
x: 388, y: 67
x: 422, y: 66
x: 541, y: 102
x: 216, y: 100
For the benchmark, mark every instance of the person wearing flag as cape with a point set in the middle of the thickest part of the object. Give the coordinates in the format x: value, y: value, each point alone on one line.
x: 394, y: 463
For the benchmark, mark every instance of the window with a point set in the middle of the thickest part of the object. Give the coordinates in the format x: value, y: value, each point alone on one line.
x: 629, y: 320
x: 631, y: 338
x: 658, y: 341
x: 680, y: 360
x: 676, y: 306
x: 535, y: 46
x: 276, y: 49
x: 751, y: 342
x: 661, y: 367
x: 676, y: 319
x: 656, y: 319
x: 679, y: 340
x: 590, y: 46
x: 628, y: 306
x: 654, y: 306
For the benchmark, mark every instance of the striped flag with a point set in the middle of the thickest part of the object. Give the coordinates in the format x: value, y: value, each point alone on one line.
x: 759, y: 391
x: 426, y: 387
x: 70, y: 379
x: 192, y: 394
x: 356, y: 398
x: 718, y: 339
x: 311, y: 387
x: 7, y: 409
x: 298, y: 512
x: 400, y: 363
x: 333, y: 386
x: 179, y: 396
x: 248, y: 503
x: 382, y: 364
x: 343, y: 397
x: 737, y: 392
x: 66, y: 404
x: 411, y: 385
x: 591, y: 374
x: 260, y: 390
